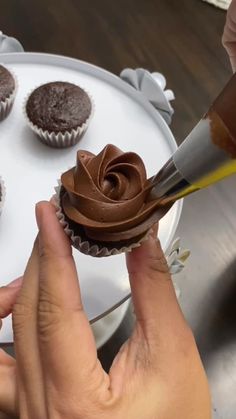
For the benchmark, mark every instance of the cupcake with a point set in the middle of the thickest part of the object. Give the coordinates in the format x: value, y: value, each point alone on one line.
x: 2, y: 194
x: 7, y: 92
x: 59, y: 113
x: 103, y: 202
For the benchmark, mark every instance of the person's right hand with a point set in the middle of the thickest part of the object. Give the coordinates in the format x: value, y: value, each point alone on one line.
x: 157, y: 374
x: 229, y: 35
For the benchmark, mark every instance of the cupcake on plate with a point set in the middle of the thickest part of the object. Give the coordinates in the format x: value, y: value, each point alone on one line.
x: 103, y: 202
x: 2, y: 194
x: 59, y: 113
x: 7, y: 92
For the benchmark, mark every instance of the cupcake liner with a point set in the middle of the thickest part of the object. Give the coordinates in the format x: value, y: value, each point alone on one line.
x: 82, y: 243
x: 3, y: 194
x: 60, y: 139
x: 7, y: 104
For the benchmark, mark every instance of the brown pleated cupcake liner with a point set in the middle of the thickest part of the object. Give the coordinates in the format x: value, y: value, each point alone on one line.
x: 7, y: 104
x: 2, y: 194
x: 82, y: 243
x: 60, y: 139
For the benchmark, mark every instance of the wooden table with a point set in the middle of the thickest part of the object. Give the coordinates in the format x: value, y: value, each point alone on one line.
x: 182, y: 40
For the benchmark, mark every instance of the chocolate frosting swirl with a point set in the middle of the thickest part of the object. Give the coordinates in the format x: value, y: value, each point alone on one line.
x: 107, y: 195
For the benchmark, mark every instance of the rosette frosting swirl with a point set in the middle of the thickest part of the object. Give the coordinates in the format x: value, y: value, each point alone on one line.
x: 107, y: 194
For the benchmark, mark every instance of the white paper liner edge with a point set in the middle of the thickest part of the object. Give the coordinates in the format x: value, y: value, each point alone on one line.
x: 84, y: 246
x: 3, y: 194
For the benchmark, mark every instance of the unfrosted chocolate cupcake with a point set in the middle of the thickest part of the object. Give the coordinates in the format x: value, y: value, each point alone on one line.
x: 103, y: 202
x: 7, y: 92
x: 59, y: 113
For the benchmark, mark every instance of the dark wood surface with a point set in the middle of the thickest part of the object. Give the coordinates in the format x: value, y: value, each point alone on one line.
x: 182, y: 39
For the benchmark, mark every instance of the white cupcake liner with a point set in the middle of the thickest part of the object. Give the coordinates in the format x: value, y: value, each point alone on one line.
x: 7, y: 104
x: 61, y: 139
x: 3, y: 194
x: 85, y: 247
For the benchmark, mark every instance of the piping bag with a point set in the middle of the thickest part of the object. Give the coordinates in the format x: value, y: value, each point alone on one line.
x: 206, y: 156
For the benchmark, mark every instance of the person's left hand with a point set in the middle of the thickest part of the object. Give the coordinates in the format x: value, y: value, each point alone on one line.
x: 8, y: 296
x: 156, y: 374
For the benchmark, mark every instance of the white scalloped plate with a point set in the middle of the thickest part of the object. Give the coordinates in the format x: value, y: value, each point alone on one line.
x: 30, y: 169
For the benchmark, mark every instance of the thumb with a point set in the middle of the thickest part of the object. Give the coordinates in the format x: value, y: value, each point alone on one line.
x: 8, y: 399
x: 155, y: 303
x: 8, y: 295
x: 229, y: 35
x: 70, y: 331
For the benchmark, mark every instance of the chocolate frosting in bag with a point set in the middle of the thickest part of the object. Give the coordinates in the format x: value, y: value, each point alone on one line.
x: 108, y: 194
x: 223, y: 121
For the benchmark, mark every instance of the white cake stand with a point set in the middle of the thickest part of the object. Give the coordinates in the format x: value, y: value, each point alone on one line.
x: 30, y: 170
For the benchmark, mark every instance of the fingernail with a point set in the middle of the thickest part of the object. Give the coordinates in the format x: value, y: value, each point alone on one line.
x: 53, y: 201
x: 16, y: 283
x: 37, y: 214
x: 154, y: 230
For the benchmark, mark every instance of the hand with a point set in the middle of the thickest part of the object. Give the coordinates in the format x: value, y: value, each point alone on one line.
x: 8, y: 295
x: 157, y: 373
x: 229, y: 36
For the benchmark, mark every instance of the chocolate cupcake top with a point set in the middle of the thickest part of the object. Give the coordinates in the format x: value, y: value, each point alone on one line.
x: 7, y: 83
x: 108, y: 195
x: 58, y: 107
